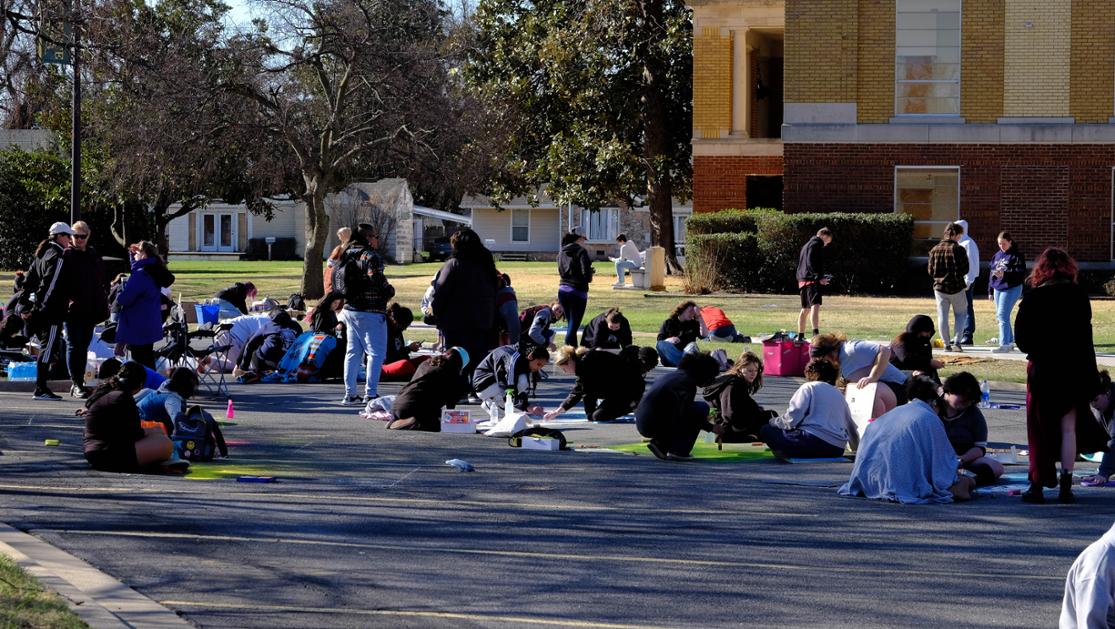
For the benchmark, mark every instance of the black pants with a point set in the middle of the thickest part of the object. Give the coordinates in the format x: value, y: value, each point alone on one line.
x: 574, y: 306
x: 143, y: 354
x: 610, y: 408
x: 52, y: 350
x: 476, y: 342
x: 676, y: 435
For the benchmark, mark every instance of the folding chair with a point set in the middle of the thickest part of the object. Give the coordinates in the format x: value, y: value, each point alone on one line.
x: 182, y: 350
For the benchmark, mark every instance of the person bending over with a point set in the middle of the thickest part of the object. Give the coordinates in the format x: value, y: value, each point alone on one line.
x: 679, y: 333
x: 609, y: 330
x: 111, y: 366
x: 862, y: 363
x: 437, y: 384
x: 536, y: 320
x: 913, y: 349
x: 720, y: 327
x: 1102, y: 410
x: 669, y: 413
x: 234, y: 300
x: 507, y: 369
x: 738, y: 416
x: 616, y: 379
x: 167, y: 402
x: 966, y: 427
x: 905, y: 455
x: 114, y: 440
x: 817, y: 422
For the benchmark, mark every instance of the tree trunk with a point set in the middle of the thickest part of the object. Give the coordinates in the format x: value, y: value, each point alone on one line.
x: 317, y: 233
x: 656, y: 138
x: 159, y: 213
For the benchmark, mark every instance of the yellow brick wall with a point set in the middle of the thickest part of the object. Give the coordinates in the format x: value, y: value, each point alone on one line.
x: 981, y: 61
x: 1038, y: 39
x: 876, y: 60
x: 821, y: 39
x: 712, y: 83
x: 1093, y: 60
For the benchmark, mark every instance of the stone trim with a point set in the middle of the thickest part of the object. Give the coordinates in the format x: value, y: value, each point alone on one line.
x: 1040, y: 133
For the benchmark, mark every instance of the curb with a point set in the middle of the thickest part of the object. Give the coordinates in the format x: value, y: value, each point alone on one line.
x: 96, y: 598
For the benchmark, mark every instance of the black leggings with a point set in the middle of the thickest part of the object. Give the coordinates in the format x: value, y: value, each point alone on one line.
x: 574, y: 307
x: 143, y: 354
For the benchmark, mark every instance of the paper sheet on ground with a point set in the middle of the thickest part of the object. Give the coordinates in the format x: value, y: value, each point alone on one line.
x: 862, y: 403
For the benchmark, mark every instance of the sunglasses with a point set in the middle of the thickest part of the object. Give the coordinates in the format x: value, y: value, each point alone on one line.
x: 80, y: 236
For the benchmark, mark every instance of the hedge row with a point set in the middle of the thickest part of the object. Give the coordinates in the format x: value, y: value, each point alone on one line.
x: 868, y: 254
x: 728, y: 221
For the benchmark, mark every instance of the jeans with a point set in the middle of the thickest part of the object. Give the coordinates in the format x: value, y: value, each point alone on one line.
x: 574, y: 306
x: 797, y: 444
x: 367, y: 336
x: 725, y: 333
x: 959, y: 304
x: 509, y: 312
x: 969, y: 327
x: 1004, y: 303
x: 671, y: 354
x: 79, y: 334
x: 621, y: 269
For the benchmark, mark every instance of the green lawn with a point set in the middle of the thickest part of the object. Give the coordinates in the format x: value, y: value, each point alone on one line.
x: 24, y: 603
x: 877, y: 318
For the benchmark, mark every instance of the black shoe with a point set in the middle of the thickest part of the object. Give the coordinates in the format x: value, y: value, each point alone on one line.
x: 1034, y: 495
x: 79, y: 391
x: 657, y: 450
x: 967, y: 341
x: 46, y: 395
x: 1065, y: 496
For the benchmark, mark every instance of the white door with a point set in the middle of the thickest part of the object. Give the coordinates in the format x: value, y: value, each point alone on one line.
x: 218, y: 232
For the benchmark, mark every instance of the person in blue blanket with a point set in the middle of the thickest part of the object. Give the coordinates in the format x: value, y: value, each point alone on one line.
x: 669, y: 413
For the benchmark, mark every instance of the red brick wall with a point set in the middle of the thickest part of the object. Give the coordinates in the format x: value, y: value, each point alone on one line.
x: 1044, y: 194
x: 720, y: 183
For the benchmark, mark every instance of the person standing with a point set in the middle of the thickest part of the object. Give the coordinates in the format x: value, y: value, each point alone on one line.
x: 811, y: 277
x: 629, y: 258
x: 464, y: 301
x: 1054, y: 328
x: 140, y: 323
x: 88, y: 304
x: 1008, y: 271
x: 575, y: 269
x: 972, y: 251
x: 44, y: 303
x: 359, y: 274
x: 948, y: 266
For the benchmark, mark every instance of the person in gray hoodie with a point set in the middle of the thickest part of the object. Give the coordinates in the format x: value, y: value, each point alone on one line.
x: 970, y: 277
x: 817, y: 422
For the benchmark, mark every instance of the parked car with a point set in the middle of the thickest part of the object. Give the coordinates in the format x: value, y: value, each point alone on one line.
x: 439, y: 250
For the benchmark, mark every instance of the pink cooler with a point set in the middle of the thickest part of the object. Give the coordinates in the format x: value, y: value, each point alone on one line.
x: 783, y: 357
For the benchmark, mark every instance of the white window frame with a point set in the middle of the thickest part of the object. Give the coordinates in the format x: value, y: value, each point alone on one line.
x: 894, y: 196
x: 511, y: 226
x: 611, y: 222
x: 679, y: 238
x: 217, y: 231
x: 959, y: 81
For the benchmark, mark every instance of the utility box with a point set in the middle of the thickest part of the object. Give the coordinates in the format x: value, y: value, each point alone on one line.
x: 656, y: 268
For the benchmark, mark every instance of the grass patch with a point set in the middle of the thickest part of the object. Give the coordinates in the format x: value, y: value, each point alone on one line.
x: 24, y: 603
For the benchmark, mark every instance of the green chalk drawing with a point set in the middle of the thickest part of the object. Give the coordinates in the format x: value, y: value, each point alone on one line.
x: 732, y: 452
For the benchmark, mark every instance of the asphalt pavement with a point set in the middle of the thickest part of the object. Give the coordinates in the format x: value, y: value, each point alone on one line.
x: 369, y: 528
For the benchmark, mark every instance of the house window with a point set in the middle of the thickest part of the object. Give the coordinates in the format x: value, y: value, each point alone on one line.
x: 927, y: 58
x: 679, y: 235
x: 932, y: 196
x: 520, y: 225
x: 600, y: 225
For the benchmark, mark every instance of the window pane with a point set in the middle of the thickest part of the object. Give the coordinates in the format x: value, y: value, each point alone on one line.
x: 931, y: 196
x: 924, y: 69
x: 927, y: 6
x: 226, y: 230
x: 520, y: 225
x: 208, y: 230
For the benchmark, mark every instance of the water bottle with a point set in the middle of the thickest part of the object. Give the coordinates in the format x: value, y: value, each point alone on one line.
x: 984, y: 395
x: 509, y: 402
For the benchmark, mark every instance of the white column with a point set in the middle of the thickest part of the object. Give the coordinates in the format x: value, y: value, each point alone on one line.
x: 741, y: 84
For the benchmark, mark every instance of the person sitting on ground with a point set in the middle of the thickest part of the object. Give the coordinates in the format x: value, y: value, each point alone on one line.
x: 326, y: 319
x: 720, y: 327
x: 966, y: 427
x: 615, y: 381
x: 679, y: 333
x: 167, y: 402
x: 398, y: 366
x: 537, y: 321
x: 905, y: 455
x: 507, y: 311
x: 862, y: 363
x: 508, y: 369
x: 437, y: 384
x: 1102, y: 410
x: 114, y: 440
x: 669, y: 413
x: 111, y: 366
x: 913, y: 349
x: 609, y: 330
x: 738, y: 416
x: 234, y: 299
x: 817, y: 423
x: 629, y: 258
x: 1089, y: 600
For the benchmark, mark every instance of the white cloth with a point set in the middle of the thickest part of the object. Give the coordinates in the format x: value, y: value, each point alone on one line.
x: 904, y: 456
x: 628, y: 251
x: 1090, y: 587
x: 973, y: 254
x: 243, y: 328
x: 819, y: 409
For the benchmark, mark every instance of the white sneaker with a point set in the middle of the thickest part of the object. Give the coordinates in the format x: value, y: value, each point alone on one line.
x: 619, y: 285
x: 1002, y: 349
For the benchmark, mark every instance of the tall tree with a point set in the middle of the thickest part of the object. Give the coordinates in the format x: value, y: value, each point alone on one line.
x: 596, y: 96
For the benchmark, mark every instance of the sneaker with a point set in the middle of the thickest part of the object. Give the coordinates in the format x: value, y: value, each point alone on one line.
x: 352, y: 400
x: 657, y: 450
x: 673, y: 456
x: 993, y: 341
x: 619, y: 285
x: 1002, y: 349
x: 46, y: 395
x: 79, y: 392
x: 474, y: 399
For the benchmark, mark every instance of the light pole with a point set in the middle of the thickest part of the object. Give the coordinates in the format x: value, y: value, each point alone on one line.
x: 75, y: 123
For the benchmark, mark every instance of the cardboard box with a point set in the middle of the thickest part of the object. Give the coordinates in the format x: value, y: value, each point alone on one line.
x: 457, y: 421
x: 541, y: 443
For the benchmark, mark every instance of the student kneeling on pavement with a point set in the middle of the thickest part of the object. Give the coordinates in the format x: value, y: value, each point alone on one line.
x: 817, y: 423
x: 437, y: 384
x: 617, y: 379
x: 669, y: 414
x: 114, y: 440
x: 739, y: 418
x: 506, y: 368
x: 1103, y: 407
x: 967, y: 428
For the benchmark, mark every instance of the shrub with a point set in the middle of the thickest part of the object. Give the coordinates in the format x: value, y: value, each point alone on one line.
x: 721, y: 262
x: 34, y: 191
x: 725, y: 222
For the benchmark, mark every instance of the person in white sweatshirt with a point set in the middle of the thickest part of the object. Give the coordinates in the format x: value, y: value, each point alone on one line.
x: 818, y: 421
x: 972, y: 250
x: 1090, y: 587
x: 629, y: 258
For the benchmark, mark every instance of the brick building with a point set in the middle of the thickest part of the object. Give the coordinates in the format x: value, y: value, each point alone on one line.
x: 1001, y: 112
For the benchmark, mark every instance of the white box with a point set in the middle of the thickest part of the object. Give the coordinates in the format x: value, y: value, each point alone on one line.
x: 541, y: 443
x: 457, y: 421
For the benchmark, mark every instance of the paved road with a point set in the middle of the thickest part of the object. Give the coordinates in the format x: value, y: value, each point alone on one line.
x: 370, y: 528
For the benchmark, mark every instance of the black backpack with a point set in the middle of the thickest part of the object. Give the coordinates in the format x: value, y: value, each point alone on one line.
x: 296, y: 303
x: 346, y: 277
x: 197, y: 436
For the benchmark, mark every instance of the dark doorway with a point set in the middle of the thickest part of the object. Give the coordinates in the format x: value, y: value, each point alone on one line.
x: 764, y: 191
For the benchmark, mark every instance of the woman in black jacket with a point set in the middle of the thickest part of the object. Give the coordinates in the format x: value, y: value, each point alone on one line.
x: 465, y: 297
x: 1054, y: 328
x: 738, y: 416
x: 616, y: 379
x: 437, y: 384
x: 913, y: 349
x: 575, y: 269
x: 609, y: 330
x: 234, y: 299
x: 114, y: 440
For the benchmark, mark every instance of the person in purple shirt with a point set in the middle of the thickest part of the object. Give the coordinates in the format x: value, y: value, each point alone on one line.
x: 1008, y: 271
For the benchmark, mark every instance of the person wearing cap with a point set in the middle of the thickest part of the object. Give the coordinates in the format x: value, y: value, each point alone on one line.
x: 45, y: 300
x: 88, y: 303
x: 437, y: 384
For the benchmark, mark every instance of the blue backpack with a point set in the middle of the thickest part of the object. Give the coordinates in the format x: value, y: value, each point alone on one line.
x: 304, y: 359
x: 197, y: 436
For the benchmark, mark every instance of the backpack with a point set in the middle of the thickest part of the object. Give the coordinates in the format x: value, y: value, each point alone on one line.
x: 197, y: 436
x: 296, y: 303
x: 304, y: 359
x: 346, y: 277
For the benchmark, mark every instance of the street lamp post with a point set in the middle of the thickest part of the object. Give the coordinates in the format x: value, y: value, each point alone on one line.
x: 75, y: 156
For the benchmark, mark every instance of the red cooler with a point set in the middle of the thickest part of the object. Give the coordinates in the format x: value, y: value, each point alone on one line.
x: 784, y: 357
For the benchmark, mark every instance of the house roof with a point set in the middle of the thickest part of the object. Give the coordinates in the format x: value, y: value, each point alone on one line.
x: 445, y: 216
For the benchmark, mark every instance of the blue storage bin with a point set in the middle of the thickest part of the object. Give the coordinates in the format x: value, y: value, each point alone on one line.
x: 25, y: 372
x: 207, y: 313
